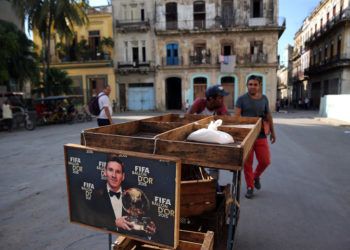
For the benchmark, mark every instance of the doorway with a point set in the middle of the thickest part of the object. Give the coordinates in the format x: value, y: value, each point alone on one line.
x: 228, y: 83
x: 173, y: 93
x: 199, y: 87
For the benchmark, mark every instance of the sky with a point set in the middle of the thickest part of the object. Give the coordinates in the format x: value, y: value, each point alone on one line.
x: 295, y: 11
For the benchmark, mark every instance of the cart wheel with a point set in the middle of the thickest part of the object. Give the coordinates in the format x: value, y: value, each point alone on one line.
x: 88, y: 118
x: 29, y: 125
x: 80, y: 118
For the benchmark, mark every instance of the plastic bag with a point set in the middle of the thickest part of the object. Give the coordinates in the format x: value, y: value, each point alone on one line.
x: 211, y: 134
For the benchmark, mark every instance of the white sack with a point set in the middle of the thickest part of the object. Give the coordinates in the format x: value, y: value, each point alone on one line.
x: 211, y: 134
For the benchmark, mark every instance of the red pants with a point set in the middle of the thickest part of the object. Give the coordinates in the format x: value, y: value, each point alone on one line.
x: 262, y: 153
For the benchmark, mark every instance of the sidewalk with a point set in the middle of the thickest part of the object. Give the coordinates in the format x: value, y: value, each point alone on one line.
x: 311, y: 114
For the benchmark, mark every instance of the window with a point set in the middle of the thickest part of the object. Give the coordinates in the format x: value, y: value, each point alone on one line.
x: 172, y: 54
x: 326, y: 52
x: 144, y: 51
x: 126, y: 57
x: 332, y: 49
x: 94, y: 42
x: 135, y: 52
x: 256, y: 47
x: 327, y: 17
x: 320, y: 55
x: 226, y: 50
x: 334, y: 10
x: 142, y: 14
x: 339, y: 46
x: 171, y: 16
x: 199, y: 14
x: 256, y: 8
x: 321, y: 23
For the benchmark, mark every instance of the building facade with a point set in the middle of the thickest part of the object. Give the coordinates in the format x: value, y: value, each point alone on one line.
x: 325, y: 50
x: 135, y: 53
x: 169, y: 52
x: 88, y: 58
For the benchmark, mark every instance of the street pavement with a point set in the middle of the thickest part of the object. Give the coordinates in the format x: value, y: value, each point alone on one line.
x: 304, y: 202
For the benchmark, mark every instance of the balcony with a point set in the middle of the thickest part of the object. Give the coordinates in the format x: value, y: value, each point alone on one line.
x: 328, y: 27
x: 135, y: 67
x: 215, y: 24
x: 335, y: 62
x: 247, y: 59
x: 172, y: 61
x: 200, y: 60
x: 132, y: 25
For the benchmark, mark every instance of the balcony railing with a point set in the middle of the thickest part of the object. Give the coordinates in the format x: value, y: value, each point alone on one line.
x: 328, y: 26
x: 200, y: 60
x: 329, y: 63
x: 88, y: 56
x: 132, y: 25
x: 172, y: 61
x: 217, y: 23
x: 136, y: 67
x: 259, y: 58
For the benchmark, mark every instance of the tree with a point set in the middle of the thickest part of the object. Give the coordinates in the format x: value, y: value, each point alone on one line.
x: 48, y: 16
x: 18, y: 62
x: 58, y: 83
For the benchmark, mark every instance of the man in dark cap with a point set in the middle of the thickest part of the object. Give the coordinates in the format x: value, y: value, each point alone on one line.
x: 213, y: 104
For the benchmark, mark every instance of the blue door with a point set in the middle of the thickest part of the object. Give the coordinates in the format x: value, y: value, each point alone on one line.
x: 172, y: 55
x: 141, y: 98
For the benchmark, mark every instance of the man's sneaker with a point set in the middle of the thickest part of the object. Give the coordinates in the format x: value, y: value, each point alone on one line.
x: 250, y: 193
x: 257, y: 184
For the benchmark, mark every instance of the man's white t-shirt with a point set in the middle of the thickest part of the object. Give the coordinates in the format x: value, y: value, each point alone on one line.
x: 103, y: 101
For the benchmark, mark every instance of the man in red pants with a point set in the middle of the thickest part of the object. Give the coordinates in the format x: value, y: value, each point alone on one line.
x: 255, y: 104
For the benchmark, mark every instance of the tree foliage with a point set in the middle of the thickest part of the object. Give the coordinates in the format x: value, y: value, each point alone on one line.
x: 17, y: 58
x: 52, y: 16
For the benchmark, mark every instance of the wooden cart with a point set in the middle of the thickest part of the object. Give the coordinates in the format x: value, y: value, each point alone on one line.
x: 166, y: 135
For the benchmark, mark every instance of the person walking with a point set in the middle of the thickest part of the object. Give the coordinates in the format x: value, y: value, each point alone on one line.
x: 255, y: 104
x: 105, y: 116
x: 7, y: 115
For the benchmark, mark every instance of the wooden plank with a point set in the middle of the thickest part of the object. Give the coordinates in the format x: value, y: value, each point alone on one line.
x: 197, y: 197
x: 208, y: 155
x: 126, y: 128
x: 192, y: 236
x: 118, y: 142
x: 159, y: 127
x: 188, y: 240
x: 249, y: 141
x: 208, y: 243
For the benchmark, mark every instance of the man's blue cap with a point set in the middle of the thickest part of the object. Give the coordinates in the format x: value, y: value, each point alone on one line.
x: 216, y: 90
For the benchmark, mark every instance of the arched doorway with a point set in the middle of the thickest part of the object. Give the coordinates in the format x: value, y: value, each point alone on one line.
x: 173, y: 93
x: 199, y: 87
x: 228, y: 82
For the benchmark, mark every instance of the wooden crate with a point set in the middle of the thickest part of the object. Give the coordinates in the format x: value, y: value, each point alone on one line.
x: 189, y: 240
x: 227, y: 156
x: 197, y: 197
x: 214, y: 220
x: 164, y: 135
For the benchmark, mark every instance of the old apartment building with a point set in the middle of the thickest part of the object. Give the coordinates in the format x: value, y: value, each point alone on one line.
x: 323, y: 49
x: 135, y: 53
x: 88, y: 57
x: 168, y: 52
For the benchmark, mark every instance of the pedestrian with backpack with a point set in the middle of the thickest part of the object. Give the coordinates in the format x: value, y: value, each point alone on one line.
x: 105, y: 115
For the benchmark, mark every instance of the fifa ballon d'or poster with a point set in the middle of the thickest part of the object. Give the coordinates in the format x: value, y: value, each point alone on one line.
x: 129, y: 193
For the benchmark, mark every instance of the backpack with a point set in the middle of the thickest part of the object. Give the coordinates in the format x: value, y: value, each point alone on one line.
x: 94, y: 107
